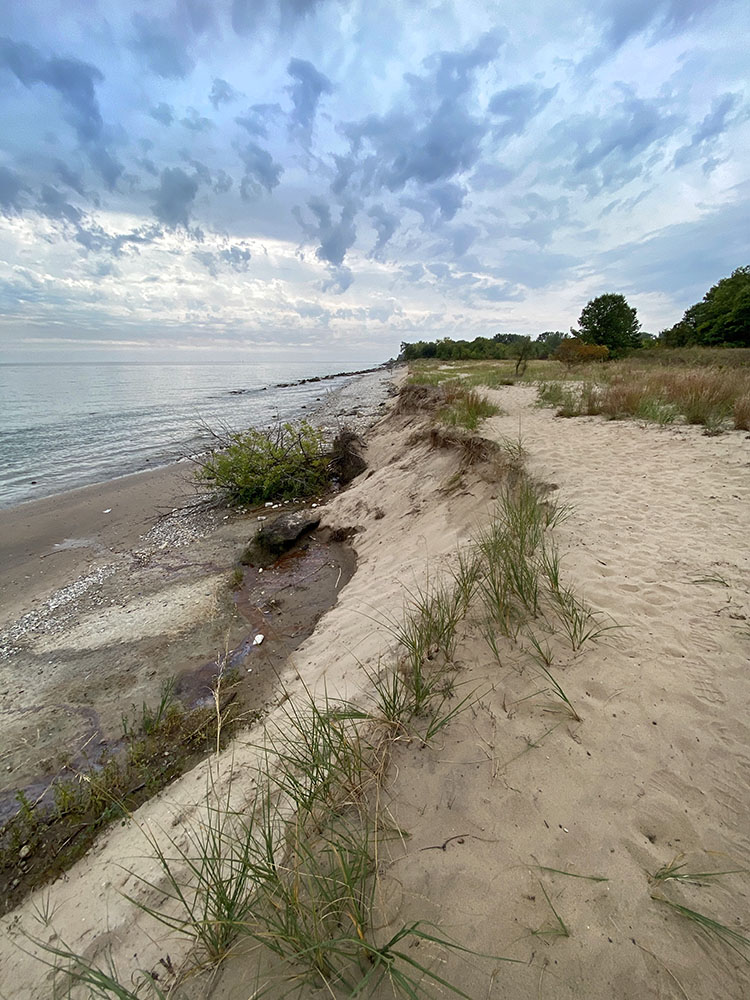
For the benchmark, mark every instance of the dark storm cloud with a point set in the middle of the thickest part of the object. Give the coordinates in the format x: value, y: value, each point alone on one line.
x: 250, y: 16
x: 73, y: 80
x: 148, y: 165
x: 69, y: 177
x: 306, y: 91
x: 11, y: 188
x: 448, y: 198
x: 163, y: 113
x: 385, y: 224
x: 245, y: 15
x: 713, y: 125
x: 258, y: 117
x: 450, y: 74
x: 202, y: 173
x: 423, y: 141
x: 626, y: 18
x: 195, y: 122
x: 440, y: 137
x: 334, y: 236
x: 261, y: 170
x: 175, y: 197
x: 413, y: 272
x: 608, y: 151
x: 53, y: 204
x: 141, y: 236
x: 404, y: 150
x: 222, y: 93
x: 164, y: 53
x: 518, y: 105
x: 236, y: 257
x: 461, y: 238
x: 198, y: 13
x: 339, y: 279
x: 222, y: 182
x: 105, y: 163
x: 345, y: 168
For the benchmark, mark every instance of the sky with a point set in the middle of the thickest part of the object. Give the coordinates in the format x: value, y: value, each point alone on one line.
x: 230, y: 180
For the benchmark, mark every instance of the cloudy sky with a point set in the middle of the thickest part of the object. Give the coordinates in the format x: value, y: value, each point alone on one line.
x: 211, y: 179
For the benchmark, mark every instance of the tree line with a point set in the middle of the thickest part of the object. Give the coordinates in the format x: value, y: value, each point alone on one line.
x: 609, y: 327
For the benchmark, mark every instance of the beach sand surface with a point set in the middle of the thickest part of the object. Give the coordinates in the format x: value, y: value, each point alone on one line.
x: 520, y: 820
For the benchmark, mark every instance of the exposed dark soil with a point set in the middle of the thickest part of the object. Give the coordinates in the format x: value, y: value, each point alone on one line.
x: 54, y: 819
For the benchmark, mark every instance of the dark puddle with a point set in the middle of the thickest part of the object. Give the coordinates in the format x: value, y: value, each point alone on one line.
x: 282, y: 603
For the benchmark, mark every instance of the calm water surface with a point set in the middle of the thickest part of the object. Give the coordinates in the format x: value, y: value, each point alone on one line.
x: 67, y: 425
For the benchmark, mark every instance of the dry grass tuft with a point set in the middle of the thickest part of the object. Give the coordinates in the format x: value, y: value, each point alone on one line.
x: 708, y: 396
x: 420, y: 398
x: 742, y: 412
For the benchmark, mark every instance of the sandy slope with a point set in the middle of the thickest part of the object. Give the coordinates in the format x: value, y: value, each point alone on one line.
x: 658, y: 766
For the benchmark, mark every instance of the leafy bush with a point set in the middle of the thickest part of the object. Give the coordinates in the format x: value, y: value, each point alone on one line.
x: 573, y: 351
x: 278, y: 463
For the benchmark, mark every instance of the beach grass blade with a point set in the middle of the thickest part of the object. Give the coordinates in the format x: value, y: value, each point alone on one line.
x: 736, y: 941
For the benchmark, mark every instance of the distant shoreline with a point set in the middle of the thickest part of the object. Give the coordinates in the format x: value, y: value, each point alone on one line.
x: 181, y: 452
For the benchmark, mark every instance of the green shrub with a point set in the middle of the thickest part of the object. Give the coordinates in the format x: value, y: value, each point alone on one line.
x: 278, y: 463
x: 573, y: 351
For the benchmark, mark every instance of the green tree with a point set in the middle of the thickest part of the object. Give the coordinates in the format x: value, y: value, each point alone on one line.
x: 609, y: 321
x: 722, y: 317
x: 548, y: 342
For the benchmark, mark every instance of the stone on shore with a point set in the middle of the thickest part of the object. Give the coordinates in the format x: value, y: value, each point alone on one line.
x: 275, y: 538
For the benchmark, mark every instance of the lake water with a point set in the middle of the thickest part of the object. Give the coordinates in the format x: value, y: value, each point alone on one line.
x: 67, y: 425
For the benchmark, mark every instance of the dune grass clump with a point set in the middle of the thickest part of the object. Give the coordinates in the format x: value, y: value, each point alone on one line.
x: 711, y: 927
x: 742, y: 413
x: 452, y: 402
x: 293, y: 870
x: 465, y: 408
x: 711, y: 397
x: 421, y: 689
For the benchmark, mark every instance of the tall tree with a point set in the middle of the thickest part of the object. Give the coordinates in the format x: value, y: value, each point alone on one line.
x: 721, y: 318
x: 609, y: 320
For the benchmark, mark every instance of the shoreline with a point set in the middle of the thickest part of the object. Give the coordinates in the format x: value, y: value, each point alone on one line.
x: 157, y: 464
x: 138, y: 566
x: 112, y: 514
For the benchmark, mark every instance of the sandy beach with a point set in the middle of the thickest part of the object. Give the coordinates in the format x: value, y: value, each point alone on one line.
x: 519, y: 819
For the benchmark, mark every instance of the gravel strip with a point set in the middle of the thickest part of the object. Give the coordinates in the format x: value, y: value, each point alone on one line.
x: 357, y: 404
